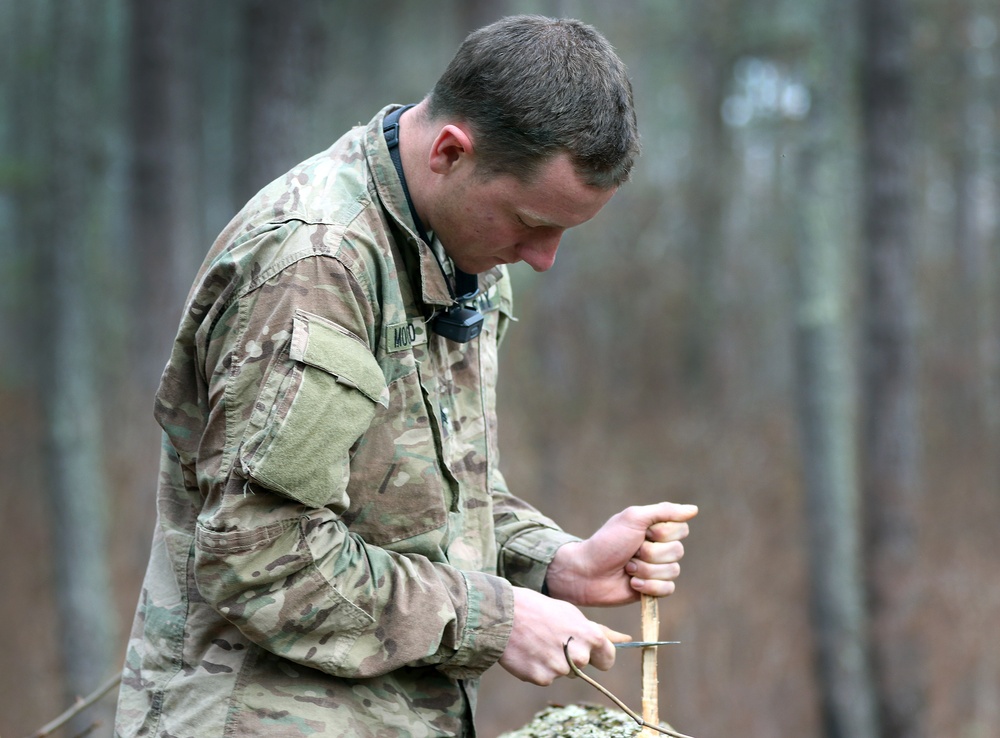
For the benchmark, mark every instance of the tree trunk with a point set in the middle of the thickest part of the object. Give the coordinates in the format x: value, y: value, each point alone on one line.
x: 977, y: 235
x: 79, y: 215
x: 705, y: 206
x: 824, y: 395
x: 890, y: 418
x: 473, y: 14
x: 282, y: 42
x: 165, y: 215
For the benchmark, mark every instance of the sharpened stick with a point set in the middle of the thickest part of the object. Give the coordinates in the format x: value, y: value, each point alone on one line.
x: 650, y: 682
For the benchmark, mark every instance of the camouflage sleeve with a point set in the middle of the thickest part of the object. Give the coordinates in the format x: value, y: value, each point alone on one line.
x: 293, y: 386
x: 526, y: 539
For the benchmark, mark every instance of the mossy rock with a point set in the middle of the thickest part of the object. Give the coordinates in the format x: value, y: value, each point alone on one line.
x: 578, y: 721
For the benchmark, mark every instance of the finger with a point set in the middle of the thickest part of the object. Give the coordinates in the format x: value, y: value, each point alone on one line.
x: 580, y: 654
x: 603, y: 656
x: 645, y: 570
x: 658, y: 553
x: 643, y: 516
x: 668, y: 531
x: 614, y: 636
x: 669, y: 511
x: 653, y: 587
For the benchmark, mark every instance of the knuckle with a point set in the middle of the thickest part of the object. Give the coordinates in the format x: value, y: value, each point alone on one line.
x: 633, y: 512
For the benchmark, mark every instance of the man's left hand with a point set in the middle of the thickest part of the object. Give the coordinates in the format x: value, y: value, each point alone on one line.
x: 636, y: 552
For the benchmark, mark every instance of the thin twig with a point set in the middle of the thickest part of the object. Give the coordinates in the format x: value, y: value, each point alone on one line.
x: 576, y: 670
x: 79, y: 706
x: 607, y: 693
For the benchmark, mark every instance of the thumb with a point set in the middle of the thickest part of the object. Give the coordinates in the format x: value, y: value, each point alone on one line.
x: 614, y: 636
x: 672, y: 512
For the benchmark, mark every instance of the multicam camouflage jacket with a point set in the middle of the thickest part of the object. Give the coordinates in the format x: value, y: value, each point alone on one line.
x: 335, y: 546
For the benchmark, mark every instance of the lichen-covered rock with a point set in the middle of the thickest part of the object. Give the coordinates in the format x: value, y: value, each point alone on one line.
x: 578, y: 721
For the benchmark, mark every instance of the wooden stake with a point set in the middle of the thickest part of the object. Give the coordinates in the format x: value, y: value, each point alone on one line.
x: 650, y: 681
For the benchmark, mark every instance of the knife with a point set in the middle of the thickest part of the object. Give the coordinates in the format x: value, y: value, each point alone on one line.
x: 643, y: 644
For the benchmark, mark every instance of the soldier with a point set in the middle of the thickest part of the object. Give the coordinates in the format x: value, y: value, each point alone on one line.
x: 336, y: 551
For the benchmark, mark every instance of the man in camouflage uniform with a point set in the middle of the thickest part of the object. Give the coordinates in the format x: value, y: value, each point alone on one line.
x: 336, y: 551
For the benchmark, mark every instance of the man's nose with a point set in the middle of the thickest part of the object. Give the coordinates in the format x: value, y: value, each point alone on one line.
x: 540, y: 253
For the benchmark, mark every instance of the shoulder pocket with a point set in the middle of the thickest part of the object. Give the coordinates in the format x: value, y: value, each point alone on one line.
x: 323, y: 344
x: 302, y: 451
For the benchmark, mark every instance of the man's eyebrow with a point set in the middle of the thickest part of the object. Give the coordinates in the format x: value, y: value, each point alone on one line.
x: 534, y: 220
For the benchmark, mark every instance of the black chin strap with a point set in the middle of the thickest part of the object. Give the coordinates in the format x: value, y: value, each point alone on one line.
x: 390, y: 129
x: 460, y: 322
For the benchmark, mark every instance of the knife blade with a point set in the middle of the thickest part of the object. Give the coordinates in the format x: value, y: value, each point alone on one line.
x: 643, y: 644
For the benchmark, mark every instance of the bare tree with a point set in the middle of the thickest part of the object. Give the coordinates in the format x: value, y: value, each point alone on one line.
x: 473, y: 14
x: 164, y: 211
x: 891, y: 439
x: 709, y: 59
x: 976, y: 224
x: 824, y: 390
x: 77, y: 230
x: 281, y: 56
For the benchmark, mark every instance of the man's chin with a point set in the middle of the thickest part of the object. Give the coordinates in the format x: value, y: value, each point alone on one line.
x: 480, y: 267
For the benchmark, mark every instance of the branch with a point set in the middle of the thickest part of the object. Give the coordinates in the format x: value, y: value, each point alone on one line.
x: 79, y: 706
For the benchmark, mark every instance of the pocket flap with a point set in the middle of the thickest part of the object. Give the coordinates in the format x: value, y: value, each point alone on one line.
x: 325, y: 345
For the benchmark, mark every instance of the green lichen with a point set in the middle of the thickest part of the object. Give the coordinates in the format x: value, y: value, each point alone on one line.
x: 578, y: 721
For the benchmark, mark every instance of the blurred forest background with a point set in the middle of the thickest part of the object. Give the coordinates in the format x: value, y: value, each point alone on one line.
x: 790, y: 317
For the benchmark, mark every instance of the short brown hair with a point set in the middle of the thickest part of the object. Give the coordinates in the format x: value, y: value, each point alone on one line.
x: 532, y: 87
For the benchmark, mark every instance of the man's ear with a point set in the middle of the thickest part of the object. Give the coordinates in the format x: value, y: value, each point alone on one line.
x: 452, y: 147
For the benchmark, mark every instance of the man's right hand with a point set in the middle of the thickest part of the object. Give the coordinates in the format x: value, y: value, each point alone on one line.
x: 542, y: 626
